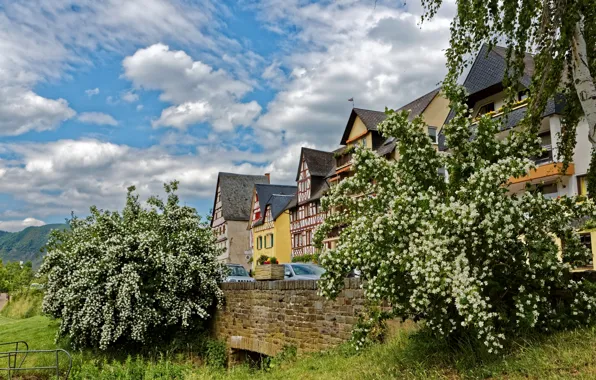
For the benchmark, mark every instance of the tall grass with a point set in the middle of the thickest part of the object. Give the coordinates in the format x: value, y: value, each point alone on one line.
x: 25, y: 304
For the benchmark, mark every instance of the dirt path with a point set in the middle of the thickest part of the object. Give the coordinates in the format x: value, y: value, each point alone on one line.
x: 3, y: 300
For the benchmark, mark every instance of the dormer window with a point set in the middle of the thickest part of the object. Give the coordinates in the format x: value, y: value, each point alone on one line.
x: 432, y: 134
x: 489, y: 107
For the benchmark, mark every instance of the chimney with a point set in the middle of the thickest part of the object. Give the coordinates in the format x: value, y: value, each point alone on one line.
x: 268, y: 175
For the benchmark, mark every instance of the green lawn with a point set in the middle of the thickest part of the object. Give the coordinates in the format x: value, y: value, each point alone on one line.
x: 561, y: 356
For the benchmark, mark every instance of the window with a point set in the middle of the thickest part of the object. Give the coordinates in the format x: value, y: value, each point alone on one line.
x: 582, y: 185
x: 260, y: 242
x: 489, y: 107
x: 432, y: 133
x: 549, y: 190
x: 586, y: 239
x: 269, y: 241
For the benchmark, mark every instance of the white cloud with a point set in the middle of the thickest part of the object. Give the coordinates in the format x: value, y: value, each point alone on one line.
x: 130, y: 97
x: 183, y: 115
x: 22, y: 110
x: 98, y: 118
x: 18, y: 225
x: 139, y: 107
x: 199, y: 92
x: 44, y: 40
x: 57, y: 177
x: 379, y: 56
x: 92, y: 92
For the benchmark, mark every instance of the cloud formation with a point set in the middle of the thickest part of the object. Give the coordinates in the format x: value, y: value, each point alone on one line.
x: 18, y: 225
x: 98, y: 118
x: 201, y: 93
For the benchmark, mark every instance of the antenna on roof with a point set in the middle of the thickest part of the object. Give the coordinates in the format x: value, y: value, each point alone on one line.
x: 351, y: 100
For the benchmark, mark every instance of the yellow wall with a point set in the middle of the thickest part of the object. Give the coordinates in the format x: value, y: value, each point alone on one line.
x: 359, y: 132
x: 436, y: 112
x: 282, y: 245
x: 282, y: 242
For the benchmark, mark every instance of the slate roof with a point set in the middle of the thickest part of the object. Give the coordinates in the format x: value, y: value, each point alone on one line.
x: 489, y: 68
x: 370, y: 119
x: 236, y: 193
x: 277, y: 196
x: 418, y: 106
x: 319, y: 162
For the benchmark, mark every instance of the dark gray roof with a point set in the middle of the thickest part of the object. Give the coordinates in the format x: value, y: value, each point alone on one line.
x: 370, y: 119
x: 319, y: 162
x: 418, y: 106
x: 278, y: 196
x: 387, y: 147
x: 489, y: 67
x: 236, y: 193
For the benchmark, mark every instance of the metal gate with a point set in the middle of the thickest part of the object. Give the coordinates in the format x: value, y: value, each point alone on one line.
x: 16, y: 358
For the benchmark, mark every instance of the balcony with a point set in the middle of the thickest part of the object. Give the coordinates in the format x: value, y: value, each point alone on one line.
x: 546, y: 156
x: 343, y: 160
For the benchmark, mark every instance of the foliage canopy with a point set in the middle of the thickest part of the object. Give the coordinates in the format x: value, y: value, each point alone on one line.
x: 462, y: 254
x: 132, y: 278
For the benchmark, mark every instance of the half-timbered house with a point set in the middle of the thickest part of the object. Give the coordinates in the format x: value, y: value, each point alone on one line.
x: 305, y: 211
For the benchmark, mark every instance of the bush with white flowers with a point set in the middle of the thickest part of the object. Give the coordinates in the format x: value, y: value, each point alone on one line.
x: 463, y: 255
x: 132, y: 278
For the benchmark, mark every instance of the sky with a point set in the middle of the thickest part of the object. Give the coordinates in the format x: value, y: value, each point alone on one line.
x: 96, y: 96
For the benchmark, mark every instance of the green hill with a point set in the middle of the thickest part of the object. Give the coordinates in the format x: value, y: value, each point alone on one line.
x: 26, y: 245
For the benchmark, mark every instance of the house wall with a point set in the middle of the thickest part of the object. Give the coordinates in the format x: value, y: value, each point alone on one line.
x: 238, y: 242
x: 436, y: 112
x: 282, y: 242
x: 359, y: 129
x: 262, y: 231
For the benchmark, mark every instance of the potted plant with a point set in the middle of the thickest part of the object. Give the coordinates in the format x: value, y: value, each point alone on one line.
x: 268, y: 268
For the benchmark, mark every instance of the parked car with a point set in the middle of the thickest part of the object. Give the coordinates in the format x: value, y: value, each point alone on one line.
x: 238, y: 274
x: 301, y: 271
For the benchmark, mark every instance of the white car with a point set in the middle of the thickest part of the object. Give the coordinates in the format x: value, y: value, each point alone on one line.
x: 238, y: 274
x: 302, y: 271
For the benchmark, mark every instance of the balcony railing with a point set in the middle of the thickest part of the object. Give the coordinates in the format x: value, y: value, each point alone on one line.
x: 343, y: 160
x: 546, y: 156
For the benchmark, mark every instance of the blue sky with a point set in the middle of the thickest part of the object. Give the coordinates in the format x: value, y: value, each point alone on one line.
x: 98, y: 96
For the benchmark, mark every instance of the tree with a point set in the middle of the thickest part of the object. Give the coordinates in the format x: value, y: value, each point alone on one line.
x: 463, y: 255
x: 563, y: 35
x: 132, y: 278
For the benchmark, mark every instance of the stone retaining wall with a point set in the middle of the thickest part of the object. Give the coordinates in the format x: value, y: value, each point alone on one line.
x: 265, y: 316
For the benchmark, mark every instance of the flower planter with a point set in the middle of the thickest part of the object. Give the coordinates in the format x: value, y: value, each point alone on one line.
x: 269, y: 272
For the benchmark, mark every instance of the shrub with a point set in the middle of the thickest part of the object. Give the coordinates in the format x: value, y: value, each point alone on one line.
x: 216, y: 354
x: 462, y: 254
x: 132, y: 278
x: 308, y: 258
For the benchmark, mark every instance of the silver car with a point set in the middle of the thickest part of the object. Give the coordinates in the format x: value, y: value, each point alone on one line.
x: 238, y: 274
x: 301, y: 271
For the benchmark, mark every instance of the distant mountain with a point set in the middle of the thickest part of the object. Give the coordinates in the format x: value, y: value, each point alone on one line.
x: 26, y: 245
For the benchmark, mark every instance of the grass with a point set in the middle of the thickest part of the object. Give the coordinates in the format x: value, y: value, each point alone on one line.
x: 23, y: 305
x: 407, y: 355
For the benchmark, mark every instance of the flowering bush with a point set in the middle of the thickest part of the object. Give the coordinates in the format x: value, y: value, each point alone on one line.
x: 117, y: 279
x: 462, y: 254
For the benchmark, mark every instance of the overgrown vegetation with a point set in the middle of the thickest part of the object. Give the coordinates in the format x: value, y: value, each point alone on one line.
x: 25, y: 304
x: 14, y: 276
x: 463, y: 255
x: 406, y: 354
x: 135, y: 279
x: 307, y: 258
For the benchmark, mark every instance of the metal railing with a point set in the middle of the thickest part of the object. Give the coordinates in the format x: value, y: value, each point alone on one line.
x: 546, y: 156
x: 16, y: 365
